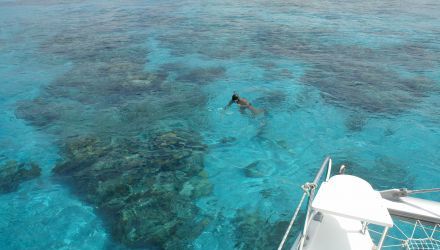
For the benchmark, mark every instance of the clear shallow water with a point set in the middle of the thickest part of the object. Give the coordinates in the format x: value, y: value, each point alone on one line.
x: 357, y: 81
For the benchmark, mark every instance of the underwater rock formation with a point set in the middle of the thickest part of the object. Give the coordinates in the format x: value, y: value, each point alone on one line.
x: 253, y: 231
x: 145, y: 190
x: 13, y: 173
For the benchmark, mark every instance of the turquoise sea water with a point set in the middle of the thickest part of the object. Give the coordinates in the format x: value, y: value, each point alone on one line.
x: 357, y: 80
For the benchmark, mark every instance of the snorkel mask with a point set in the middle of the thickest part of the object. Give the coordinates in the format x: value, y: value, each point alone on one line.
x: 235, y: 97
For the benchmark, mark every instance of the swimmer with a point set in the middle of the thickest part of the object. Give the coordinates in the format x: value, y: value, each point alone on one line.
x: 243, y: 104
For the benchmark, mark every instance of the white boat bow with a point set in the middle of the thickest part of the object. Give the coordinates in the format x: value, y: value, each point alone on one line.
x: 338, y: 217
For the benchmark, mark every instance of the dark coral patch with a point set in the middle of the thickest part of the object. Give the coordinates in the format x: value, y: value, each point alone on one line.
x: 355, y: 122
x: 13, y: 173
x: 202, y: 75
x: 253, y: 231
x: 356, y: 76
x: 169, y: 150
x: 38, y: 112
x: 144, y: 189
x: 341, y: 87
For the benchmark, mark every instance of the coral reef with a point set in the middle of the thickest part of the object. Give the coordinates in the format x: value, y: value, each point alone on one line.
x: 13, y: 173
x: 202, y: 75
x: 342, y: 70
x: 253, y: 231
x: 38, y: 112
x: 145, y: 190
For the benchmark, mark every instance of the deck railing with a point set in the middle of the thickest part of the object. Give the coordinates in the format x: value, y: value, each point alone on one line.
x: 309, y: 190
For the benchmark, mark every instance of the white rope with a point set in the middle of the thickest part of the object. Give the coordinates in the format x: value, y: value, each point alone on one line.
x: 414, y: 230
x: 423, y: 228
x: 389, y: 236
x: 410, y: 243
x: 421, y: 225
x: 422, y: 244
x: 434, y: 230
x: 401, y: 231
x: 396, y: 245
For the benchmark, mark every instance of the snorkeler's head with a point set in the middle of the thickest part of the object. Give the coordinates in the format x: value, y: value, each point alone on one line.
x: 235, y: 97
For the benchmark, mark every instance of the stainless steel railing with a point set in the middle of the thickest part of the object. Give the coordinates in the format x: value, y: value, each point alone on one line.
x: 309, y: 189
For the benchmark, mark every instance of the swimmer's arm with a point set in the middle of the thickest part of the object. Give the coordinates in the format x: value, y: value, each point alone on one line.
x: 229, y: 104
